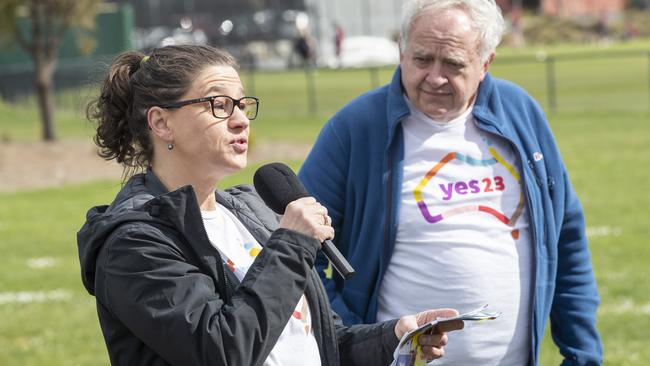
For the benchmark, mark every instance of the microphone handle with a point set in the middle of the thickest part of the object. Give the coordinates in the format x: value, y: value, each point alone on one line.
x: 337, y: 259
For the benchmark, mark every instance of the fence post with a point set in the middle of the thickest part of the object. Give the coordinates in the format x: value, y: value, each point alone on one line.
x: 311, y: 90
x: 374, y: 77
x: 250, y: 88
x: 649, y: 80
x: 550, y: 84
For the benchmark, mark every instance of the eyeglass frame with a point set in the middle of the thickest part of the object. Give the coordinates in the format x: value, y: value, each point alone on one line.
x: 235, y: 104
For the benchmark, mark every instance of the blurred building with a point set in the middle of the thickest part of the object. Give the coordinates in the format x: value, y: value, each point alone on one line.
x: 262, y: 33
x: 584, y: 8
x: 266, y: 33
x: 253, y: 30
x: 222, y: 21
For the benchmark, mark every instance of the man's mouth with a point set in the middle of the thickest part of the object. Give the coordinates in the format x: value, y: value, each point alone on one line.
x: 436, y: 93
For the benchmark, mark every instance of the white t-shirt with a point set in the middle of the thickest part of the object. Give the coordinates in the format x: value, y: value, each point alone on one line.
x: 297, y: 344
x: 462, y: 239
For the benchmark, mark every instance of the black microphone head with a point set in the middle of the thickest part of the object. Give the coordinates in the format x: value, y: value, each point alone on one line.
x: 278, y: 185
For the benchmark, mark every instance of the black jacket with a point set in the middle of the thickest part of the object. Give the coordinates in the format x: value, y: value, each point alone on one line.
x: 164, y: 296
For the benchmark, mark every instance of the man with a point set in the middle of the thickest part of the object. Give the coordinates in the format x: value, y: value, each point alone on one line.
x: 446, y: 187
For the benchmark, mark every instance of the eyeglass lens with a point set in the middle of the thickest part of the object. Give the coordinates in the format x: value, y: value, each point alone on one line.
x: 224, y: 107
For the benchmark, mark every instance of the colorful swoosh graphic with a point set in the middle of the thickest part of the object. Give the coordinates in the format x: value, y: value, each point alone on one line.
x: 496, y: 159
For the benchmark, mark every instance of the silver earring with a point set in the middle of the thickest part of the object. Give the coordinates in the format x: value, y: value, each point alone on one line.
x: 170, y: 146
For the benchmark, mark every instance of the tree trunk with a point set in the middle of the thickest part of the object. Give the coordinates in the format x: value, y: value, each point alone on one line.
x: 45, y: 94
x: 43, y: 50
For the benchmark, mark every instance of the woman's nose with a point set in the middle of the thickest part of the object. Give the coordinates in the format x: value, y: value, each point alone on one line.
x: 238, y: 118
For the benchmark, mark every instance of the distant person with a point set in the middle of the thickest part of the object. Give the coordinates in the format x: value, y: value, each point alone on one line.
x: 339, y: 34
x: 630, y: 31
x: 602, y: 27
x: 516, y: 27
x: 447, y: 185
x: 186, y: 275
x: 302, y: 46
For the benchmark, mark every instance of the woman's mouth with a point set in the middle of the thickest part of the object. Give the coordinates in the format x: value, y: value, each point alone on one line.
x: 240, y: 145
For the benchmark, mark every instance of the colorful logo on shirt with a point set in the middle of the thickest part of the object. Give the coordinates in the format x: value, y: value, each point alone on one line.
x: 474, y: 186
x: 253, y: 250
x: 303, y: 314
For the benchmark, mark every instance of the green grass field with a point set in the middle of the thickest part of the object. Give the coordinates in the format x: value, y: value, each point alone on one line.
x: 602, y: 125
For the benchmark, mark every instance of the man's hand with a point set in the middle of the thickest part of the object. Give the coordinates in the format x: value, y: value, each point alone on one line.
x: 432, y: 344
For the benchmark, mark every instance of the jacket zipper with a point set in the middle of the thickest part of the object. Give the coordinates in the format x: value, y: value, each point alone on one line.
x: 387, y: 225
x: 533, y: 226
x: 225, y: 283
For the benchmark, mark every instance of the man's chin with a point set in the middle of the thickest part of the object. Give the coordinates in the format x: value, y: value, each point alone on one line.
x: 437, y: 114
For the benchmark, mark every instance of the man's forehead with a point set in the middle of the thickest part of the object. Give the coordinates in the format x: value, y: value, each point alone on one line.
x: 439, y: 50
x: 452, y: 27
x: 443, y: 45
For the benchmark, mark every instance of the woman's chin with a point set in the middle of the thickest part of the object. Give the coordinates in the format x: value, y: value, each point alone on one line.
x: 239, y: 163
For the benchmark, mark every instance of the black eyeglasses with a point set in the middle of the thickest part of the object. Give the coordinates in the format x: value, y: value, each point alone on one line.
x: 223, y: 106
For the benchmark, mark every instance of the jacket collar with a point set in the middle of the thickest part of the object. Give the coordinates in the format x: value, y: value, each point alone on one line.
x: 485, y: 107
x: 397, y: 109
x: 153, y: 184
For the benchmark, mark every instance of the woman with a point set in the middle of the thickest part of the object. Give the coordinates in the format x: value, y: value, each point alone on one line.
x: 185, y: 275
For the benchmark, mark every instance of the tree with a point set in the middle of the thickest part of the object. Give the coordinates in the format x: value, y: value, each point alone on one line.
x: 46, y: 23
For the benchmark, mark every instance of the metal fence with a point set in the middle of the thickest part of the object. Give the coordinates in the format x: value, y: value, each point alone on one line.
x: 544, y: 76
x: 551, y: 64
x: 569, y: 81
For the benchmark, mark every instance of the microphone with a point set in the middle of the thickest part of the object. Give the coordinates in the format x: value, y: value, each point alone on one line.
x: 278, y: 185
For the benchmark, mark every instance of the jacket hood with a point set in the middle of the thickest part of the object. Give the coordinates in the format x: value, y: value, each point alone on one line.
x: 129, y: 205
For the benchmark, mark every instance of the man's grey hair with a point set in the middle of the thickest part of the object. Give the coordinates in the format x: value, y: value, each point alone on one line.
x: 485, y: 15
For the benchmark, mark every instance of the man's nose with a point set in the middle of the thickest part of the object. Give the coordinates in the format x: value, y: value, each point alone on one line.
x: 435, y: 75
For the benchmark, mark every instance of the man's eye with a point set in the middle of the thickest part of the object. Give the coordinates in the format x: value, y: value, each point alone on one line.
x: 422, y: 61
x: 455, y: 65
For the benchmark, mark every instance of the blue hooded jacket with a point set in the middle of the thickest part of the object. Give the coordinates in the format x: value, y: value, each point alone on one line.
x: 355, y: 170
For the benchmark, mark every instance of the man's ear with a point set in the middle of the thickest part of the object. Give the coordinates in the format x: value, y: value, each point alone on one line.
x: 486, y: 65
x: 488, y: 62
x: 158, y: 120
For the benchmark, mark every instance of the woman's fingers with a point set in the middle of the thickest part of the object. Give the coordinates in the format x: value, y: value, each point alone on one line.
x: 308, y: 217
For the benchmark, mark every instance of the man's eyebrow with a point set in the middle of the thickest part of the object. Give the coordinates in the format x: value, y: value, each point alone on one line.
x: 421, y: 53
x: 455, y: 58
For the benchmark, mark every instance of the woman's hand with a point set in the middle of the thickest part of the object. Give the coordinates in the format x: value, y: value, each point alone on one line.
x: 432, y: 344
x: 307, y: 216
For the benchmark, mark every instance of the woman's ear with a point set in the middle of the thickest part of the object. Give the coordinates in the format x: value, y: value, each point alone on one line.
x: 158, y: 120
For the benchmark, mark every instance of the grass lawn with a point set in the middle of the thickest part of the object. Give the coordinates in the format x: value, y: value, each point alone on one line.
x: 602, y: 125
x: 605, y: 154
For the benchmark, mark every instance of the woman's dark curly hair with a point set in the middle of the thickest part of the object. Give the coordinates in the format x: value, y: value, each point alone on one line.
x: 134, y: 83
